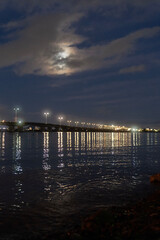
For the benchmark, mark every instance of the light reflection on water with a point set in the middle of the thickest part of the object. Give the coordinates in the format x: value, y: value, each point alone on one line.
x: 17, y: 168
x: 75, y: 171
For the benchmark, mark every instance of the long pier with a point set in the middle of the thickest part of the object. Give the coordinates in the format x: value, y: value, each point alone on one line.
x: 41, y: 127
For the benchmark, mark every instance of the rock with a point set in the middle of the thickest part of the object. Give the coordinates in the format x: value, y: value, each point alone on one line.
x: 155, y: 178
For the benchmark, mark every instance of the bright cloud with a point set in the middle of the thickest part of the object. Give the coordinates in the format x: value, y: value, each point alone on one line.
x: 46, y: 44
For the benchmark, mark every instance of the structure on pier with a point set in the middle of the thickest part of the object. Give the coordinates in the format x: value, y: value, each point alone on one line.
x: 43, y: 127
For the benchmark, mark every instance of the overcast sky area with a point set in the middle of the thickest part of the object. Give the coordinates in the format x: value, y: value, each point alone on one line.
x: 95, y: 60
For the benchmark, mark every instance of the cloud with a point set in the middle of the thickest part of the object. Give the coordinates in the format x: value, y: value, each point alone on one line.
x: 37, y: 46
x: 48, y: 46
x: 45, y: 42
x: 107, y: 55
x: 133, y: 69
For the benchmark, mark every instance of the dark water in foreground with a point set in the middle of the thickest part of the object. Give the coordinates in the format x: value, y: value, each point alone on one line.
x: 49, y: 181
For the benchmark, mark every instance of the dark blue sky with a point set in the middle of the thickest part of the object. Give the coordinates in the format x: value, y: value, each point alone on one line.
x: 95, y: 61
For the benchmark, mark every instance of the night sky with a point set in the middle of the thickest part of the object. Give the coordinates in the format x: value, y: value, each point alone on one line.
x: 95, y: 60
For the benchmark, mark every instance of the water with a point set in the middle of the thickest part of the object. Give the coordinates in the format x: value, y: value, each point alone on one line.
x: 49, y: 181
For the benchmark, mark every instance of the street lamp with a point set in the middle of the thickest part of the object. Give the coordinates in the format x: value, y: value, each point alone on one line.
x: 46, y: 114
x: 83, y: 123
x: 16, y: 114
x: 60, y: 119
x: 76, y: 123
x: 69, y: 121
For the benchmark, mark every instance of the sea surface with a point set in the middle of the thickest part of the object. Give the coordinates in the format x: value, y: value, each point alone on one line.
x: 50, y: 181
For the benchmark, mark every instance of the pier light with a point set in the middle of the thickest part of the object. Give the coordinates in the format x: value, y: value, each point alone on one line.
x: 134, y: 129
x: 46, y: 115
x: 20, y: 122
x: 76, y: 123
x: 69, y: 122
x: 16, y: 109
x: 60, y: 118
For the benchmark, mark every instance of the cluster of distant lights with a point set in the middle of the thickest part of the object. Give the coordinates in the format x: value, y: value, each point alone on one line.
x: 84, y: 124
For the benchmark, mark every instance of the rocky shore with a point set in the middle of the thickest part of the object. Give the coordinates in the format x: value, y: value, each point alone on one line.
x: 132, y: 222
x: 139, y: 221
